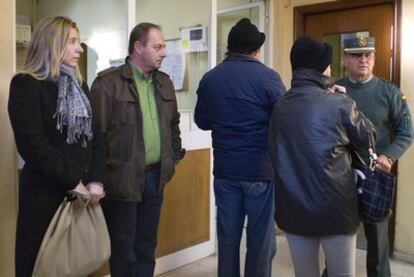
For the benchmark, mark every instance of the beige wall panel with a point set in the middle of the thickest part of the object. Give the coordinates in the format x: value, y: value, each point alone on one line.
x: 404, y: 237
x: 8, y: 195
x: 185, y: 215
x: 283, y: 34
x: 173, y: 15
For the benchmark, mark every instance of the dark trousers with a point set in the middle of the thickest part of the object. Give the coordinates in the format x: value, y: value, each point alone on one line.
x: 378, y: 260
x: 236, y: 200
x: 37, y: 206
x: 133, y: 229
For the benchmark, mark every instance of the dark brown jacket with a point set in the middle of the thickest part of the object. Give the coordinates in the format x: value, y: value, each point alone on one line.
x: 115, y: 103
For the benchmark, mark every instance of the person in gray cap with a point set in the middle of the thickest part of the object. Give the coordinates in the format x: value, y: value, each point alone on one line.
x: 235, y: 101
x: 384, y: 104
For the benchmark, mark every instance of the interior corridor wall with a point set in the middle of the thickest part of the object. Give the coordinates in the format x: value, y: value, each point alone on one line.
x: 172, y: 16
x: 282, y: 42
x: 102, y: 25
x: 8, y: 197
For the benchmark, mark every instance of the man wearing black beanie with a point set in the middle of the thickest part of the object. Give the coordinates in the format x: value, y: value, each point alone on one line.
x: 235, y: 100
x: 312, y: 133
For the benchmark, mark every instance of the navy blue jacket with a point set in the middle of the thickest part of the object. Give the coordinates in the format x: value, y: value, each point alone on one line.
x: 235, y: 101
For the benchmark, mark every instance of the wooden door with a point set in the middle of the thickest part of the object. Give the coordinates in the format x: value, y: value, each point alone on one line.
x: 332, y: 21
x: 363, y: 20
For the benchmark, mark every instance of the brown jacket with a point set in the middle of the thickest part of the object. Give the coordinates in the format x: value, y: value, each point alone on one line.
x: 115, y: 104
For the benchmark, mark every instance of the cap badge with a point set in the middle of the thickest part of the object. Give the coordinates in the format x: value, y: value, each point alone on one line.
x: 362, y: 41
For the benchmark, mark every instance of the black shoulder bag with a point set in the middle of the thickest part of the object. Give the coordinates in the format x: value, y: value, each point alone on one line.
x: 375, y: 188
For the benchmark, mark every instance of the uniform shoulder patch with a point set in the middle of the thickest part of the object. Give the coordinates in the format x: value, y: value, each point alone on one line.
x: 393, y: 87
x: 390, y: 83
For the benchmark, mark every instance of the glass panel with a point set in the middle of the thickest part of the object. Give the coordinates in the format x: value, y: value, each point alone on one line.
x: 337, y: 43
x: 221, y: 4
x: 104, y: 34
x: 226, y: 21
x: 184, y: 24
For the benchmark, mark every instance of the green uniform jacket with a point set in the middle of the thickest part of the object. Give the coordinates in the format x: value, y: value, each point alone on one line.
x: 384, y: 104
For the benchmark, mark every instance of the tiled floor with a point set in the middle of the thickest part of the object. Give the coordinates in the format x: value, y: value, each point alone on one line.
x: 282, y: 265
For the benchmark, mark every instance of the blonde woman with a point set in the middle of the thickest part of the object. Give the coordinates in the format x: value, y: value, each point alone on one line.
x: 52, y: 122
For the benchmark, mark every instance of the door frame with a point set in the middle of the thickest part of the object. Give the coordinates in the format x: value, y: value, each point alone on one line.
x: 262, y: 22
x: 299, y: 14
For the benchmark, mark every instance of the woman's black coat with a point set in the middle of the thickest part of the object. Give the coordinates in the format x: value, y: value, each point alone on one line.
x: 52, y: 167
x: 312, y: 133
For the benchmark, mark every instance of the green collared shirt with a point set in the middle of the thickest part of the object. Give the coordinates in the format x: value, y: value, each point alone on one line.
x: 149, y: 111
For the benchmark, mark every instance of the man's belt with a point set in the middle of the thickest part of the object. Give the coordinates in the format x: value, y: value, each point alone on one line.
x: 152, y: 167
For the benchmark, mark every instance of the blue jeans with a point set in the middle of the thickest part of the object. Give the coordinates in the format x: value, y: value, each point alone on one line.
x: 236, y: 200
x: 133, y: 229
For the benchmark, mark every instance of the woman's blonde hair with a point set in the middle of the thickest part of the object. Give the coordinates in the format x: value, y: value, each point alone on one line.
x: 48, y: 47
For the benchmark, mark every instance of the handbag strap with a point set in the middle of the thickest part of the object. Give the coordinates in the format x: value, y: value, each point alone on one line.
x: 373, y: 157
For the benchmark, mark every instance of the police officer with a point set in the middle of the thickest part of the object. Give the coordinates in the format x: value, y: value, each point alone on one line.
x: 384, y: 104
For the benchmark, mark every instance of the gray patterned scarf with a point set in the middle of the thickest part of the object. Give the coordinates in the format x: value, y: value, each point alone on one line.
x: 73, y: 108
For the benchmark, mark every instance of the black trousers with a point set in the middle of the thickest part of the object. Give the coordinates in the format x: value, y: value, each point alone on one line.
x: 133, y: 229
x: 37, y: 206
x: 378, y: 261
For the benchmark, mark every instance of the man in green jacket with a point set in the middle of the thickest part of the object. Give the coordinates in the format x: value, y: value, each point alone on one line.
x: 384, y: 104
x: 136, y: 107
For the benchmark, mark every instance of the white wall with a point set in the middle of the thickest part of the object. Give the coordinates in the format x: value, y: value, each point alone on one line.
x: 102, y: 25
x: 221, y: 4
x: 172, y: 17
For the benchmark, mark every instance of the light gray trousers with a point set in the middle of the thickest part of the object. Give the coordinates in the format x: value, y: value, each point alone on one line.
x: 340, y: 251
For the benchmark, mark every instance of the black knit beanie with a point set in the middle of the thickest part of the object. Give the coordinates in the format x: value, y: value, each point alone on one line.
x: 244, y: 37
x: 310, y: 54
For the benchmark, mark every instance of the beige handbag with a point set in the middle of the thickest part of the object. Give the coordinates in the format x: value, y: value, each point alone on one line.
x: 76, y: 242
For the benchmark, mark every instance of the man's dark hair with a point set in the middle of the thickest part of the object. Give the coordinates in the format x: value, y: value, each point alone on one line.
x: 140, y: 33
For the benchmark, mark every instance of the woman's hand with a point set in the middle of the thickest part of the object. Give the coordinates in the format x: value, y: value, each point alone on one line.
x: 337, y: 88
x: 96, y: 191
